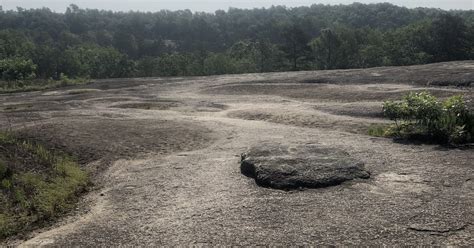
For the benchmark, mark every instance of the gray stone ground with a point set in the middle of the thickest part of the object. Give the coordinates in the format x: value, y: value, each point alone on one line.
x: 165, y: 154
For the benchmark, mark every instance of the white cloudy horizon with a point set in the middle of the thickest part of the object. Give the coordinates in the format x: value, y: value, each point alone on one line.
x: 213, y: 5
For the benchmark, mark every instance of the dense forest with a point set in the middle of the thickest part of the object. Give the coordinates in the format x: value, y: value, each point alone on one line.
x: 89, y: 43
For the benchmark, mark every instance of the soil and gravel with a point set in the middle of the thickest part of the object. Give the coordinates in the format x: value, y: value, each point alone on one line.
x: 165, y: 154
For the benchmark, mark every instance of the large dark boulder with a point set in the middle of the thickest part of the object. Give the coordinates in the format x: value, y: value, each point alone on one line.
x: 301, y: 166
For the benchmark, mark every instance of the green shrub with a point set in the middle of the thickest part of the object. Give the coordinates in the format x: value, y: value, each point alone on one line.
x: 5, y: 225
x: 421, y: 115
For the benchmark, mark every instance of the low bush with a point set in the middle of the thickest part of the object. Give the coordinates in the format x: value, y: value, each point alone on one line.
x: 36, y: 184
x: 423, y: 116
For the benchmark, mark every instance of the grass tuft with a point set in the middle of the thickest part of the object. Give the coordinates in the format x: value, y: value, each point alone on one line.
x: 378, y: 130
x: 36, y: 184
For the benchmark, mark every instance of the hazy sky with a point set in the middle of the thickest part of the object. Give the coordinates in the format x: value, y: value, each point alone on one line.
x: 212, y: 5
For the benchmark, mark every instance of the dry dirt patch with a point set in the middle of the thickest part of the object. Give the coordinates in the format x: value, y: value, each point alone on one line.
x: 354, y: 109
x: 106, y: 139
x: 309, y: 119
x: 151, y: 105
x: 38, y: 106
x: 327, y: 92
x: 204, y: 106
x: 188, y: 106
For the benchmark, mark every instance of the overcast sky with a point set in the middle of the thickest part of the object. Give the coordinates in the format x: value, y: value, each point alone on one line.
x: 212, y: 5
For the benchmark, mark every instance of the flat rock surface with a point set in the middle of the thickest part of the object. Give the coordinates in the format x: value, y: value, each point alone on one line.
x: 168, y: 160
x: 310, y: 166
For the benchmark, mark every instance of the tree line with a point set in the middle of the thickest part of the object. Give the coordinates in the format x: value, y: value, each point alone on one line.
x: 90, y: 43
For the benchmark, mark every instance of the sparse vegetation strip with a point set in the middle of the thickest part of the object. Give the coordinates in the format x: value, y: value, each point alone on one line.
x: 36, y: 184
x: 38, y: 84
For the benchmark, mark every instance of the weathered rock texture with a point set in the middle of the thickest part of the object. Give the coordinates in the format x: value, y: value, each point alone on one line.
x: 302, y: 166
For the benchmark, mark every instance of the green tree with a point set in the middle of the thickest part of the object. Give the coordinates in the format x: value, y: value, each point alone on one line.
x: 243, y: 40
x: 450, y: 38
x: 173, y: 65
x: 126, y: 43
x: 296, y: 45
x: 409, y: 45
x: 17, y: 69
x: 324, y: 48
x: 219, y: 64
x: 15, y: 44
x: 47, y: 58
x: 147, y: 67
x: 245, y: 56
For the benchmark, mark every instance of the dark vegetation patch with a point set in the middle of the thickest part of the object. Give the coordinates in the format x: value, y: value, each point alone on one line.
x: 379, y: 130
x: 205, y: 106
x: 38, y: 84
x: 321, y: 80
x: 201, y: 106
x: 301, y: 44
x: 111, y: 99
x: 81, y: 91
x: 151, y: 105
x: 38, y: 106
x: 116, y: 83
x: 37, y: 184
x: 302, y: 166
x: 462, y: 83
x: 20, y: 107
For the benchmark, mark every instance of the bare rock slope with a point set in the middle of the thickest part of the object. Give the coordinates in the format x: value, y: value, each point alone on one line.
x: 165, y: 153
